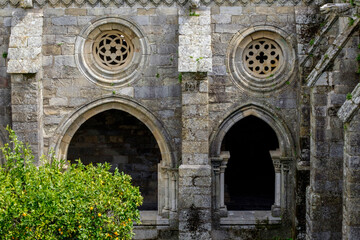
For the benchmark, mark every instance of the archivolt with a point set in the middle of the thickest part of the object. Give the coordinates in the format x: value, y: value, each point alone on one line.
x: 283, y: 134
x: 70, y: 125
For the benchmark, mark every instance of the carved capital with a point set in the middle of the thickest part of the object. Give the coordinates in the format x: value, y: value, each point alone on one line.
x: 216, y: 163
x: 191, y: 86
x: 277, y: 165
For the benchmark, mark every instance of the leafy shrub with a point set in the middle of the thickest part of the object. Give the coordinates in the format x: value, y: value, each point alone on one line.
x: 59, y: 201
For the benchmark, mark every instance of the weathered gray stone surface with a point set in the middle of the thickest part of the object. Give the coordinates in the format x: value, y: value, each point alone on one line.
x: 351, y: 194
x: 188, y: 89
x: 195, y: 53
x: 25, y: 42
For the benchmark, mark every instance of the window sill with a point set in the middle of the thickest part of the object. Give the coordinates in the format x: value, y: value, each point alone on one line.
x: 151, y: 218
x: 249, y: 218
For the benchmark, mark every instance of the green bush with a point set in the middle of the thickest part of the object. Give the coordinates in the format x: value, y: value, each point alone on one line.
x: 56, y: 200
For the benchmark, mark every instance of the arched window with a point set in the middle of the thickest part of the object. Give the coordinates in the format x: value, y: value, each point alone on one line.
x: 125, y: 142
x: 250, y: 174
x: 251, y: 157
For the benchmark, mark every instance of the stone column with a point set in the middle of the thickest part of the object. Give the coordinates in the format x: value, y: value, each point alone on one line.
x: 276, y: 208
x: 25, y: 62
x: 173, y: 191
x: 216, y: 163
x: 195, y: 170
x: 167, y: 197
x: 225, y: 158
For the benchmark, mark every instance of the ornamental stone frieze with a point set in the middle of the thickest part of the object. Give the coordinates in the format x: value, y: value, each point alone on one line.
x: 62, y: 3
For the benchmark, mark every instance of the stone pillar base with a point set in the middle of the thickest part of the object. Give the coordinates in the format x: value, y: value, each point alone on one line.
x: 275, y: 211
x: 195, y: 202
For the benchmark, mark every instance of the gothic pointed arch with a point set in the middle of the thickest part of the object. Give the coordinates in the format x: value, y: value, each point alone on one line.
x: 286, y: 144
x: 264, y: 161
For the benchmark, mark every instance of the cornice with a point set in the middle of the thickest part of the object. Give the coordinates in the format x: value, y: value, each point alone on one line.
x: 154, y: 3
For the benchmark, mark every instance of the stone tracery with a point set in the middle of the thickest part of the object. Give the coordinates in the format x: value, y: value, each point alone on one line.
x: 113, y: 50
x: 263, y: 57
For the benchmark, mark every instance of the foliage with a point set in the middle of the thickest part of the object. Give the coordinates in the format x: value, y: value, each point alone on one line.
x: 198, y: 59
x: 312, y: 41
x: 180, y: 77
x: 4, y: 55
x: 193, y: 14
x: 349, y: 96
x: 60, y: 201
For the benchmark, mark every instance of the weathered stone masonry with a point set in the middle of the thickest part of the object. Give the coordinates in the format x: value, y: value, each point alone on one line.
x: 189, y: 71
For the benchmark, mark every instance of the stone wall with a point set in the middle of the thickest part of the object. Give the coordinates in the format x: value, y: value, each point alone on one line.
x: 189, y: 82
x: 5, y: 101
x: 327, y: 141
x: 351, y: 222
x: 66, y: 89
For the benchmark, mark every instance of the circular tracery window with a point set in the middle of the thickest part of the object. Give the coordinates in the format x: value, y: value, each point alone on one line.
x: 262, y: 57
x: 261, y: 60
x: 113, y: 50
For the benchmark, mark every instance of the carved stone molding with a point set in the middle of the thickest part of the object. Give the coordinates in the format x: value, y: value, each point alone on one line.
x: 57, y: 3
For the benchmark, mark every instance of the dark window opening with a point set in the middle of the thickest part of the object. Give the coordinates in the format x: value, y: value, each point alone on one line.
x: 125, y: 142
x: 250, y: 174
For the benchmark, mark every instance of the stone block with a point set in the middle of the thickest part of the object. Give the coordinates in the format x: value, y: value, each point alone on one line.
x: 50, y: 50
x: 67, y: 49
x: 353, y: 232
x: 194, y: 170
x: 35, y: 41
x: 58, y: 101
x: 54, y: 12
x: 221, y: 18
x: 142, y: 20
x: 64, y: 60
x: 83, y: 20
x: 227, y: 28
x: 144, y: 234
x: 194, y: 147
x: 231, y: 10
x: 64, y: 21
x: 264, y: 10
x: 243, y: 20
x: 75, y: 12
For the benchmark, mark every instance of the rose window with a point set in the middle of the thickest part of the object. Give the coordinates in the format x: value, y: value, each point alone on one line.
x: 113, y: 50
x: 262, y: 58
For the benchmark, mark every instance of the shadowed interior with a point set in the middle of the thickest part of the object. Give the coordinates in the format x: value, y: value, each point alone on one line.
x: 250, y: 175
x: 122, y: 140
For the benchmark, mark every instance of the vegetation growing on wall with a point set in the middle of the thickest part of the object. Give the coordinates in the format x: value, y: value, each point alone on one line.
x: 57, y: 201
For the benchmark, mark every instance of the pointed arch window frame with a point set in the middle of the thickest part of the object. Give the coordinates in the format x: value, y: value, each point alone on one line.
x: 282, y: 159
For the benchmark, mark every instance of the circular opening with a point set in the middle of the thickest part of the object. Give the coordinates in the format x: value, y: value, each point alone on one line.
x: 262, y: 57
x: 113, y: 50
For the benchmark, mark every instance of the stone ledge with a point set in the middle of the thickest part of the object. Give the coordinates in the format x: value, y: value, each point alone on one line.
x: 331, y: 53
x: 350, y: 106
x: 151, y: 218
x: 249, y: 218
